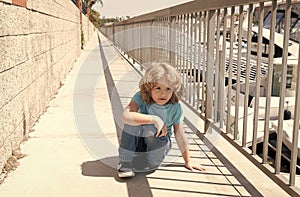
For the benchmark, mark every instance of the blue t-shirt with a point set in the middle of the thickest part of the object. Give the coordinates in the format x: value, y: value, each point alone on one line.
x: 171, y: 114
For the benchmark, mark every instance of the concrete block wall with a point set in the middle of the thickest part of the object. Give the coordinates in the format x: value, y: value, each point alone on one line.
x: 39, y: 42
x: 88, y: 28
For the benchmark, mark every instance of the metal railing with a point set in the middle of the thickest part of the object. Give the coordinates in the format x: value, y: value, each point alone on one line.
x: 211, y: 44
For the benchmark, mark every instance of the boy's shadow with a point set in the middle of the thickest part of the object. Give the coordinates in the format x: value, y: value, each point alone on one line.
x: 100, y: 168
x: 107, y: 167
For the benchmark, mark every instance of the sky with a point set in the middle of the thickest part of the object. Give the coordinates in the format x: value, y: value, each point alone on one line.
x: 113, y: 8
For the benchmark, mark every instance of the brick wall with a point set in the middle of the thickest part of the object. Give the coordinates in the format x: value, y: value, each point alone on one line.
x: 39, y: 42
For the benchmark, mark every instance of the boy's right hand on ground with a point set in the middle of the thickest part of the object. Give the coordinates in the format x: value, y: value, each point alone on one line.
x: 160, y: 126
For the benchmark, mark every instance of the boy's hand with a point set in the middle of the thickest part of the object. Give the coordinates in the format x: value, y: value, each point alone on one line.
x: 192, y: 165
x: 160, y: 126
x: 163, y: 132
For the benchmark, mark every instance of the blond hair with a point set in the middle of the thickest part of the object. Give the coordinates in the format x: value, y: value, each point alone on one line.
x: 156, y: 72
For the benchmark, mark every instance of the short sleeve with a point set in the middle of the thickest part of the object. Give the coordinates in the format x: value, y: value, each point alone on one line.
x: 178, y: 114
x: 137, y: 98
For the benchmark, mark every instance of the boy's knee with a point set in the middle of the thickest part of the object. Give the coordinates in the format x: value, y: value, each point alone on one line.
x: 133, y: 130
x: 149, y: 130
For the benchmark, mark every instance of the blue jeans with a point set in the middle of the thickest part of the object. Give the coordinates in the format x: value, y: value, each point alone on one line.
x: 141, y: 141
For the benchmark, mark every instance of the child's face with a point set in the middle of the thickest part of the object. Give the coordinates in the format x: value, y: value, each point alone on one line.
x: 161, y: 92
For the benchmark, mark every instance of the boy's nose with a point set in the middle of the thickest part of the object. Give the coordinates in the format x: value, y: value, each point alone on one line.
x: 164, y: 92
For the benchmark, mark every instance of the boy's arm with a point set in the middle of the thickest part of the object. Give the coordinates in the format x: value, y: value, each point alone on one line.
x: 132, y: 117
x: 184, y: 148
x: 182, y: 142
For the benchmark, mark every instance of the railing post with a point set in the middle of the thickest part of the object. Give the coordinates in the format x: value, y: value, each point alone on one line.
x: 221, y: 88
x: 269, y: 84
x: 257, y: 78
x: 210, y: 68
x: 282, y: 86
x: 247, y: 80
x: 294, y: 150
x: 113, y: 33
x: 140, y: 44
x: 172, y: 40
x: 152, y: 41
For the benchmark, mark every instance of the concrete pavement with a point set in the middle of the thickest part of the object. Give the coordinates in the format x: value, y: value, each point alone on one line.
x: 72, y: 150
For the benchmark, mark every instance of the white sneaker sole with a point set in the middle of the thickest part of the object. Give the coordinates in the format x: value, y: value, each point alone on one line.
x: 126, y: 174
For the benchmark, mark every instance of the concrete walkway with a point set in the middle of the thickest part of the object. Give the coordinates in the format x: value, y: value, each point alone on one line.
x: 73, y: 148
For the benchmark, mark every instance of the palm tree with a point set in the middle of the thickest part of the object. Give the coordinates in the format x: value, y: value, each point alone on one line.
x: 90, y: 3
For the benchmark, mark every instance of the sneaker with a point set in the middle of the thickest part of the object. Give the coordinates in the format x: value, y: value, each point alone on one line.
x: 125, y: 170
x: 151, y: 167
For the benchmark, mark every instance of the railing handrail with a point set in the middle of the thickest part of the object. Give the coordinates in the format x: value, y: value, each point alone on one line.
x: 185, y: 8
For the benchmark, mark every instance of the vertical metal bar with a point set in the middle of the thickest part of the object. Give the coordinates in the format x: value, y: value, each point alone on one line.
x: 118, y: 36
x: 269, y: 83
x: 257, y: 77
x: 132, y: 44
x: 190, y: 55
x: 140, y: 40
x: 184, y: 53
x: 155, y: 40
x: 138, y: 28
x: 294, y: 155
x: 172, y: 39
x: 222, y: 70
x: 247, y: 80
x: 142, y: 32
x: 200, y: 54
x: 166, y: 39
x: 132, y: 41
x: 169, y: 32
x: 176, y: 30
x: 151, y: 41
x: 162, y: 40
x: 158, y: 38
x: 238, y: 76
x: 113, y: 34
x: 210, y: 68
x: 181, y: 47
x: 187, y: 58
x: 204, y: 60
x: 175, y: 40
x: 133, y: 33
x: 283, y: 85
x: 136, y: 42
x: 229, y: 84
x: 180, y: 44
x: 217, y: 74
x: 141, y: 45
x: 123, y: 37
x: 221, y: 89
x: 195, y: 21
x: 164, y: 43
x: 129, y: 42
